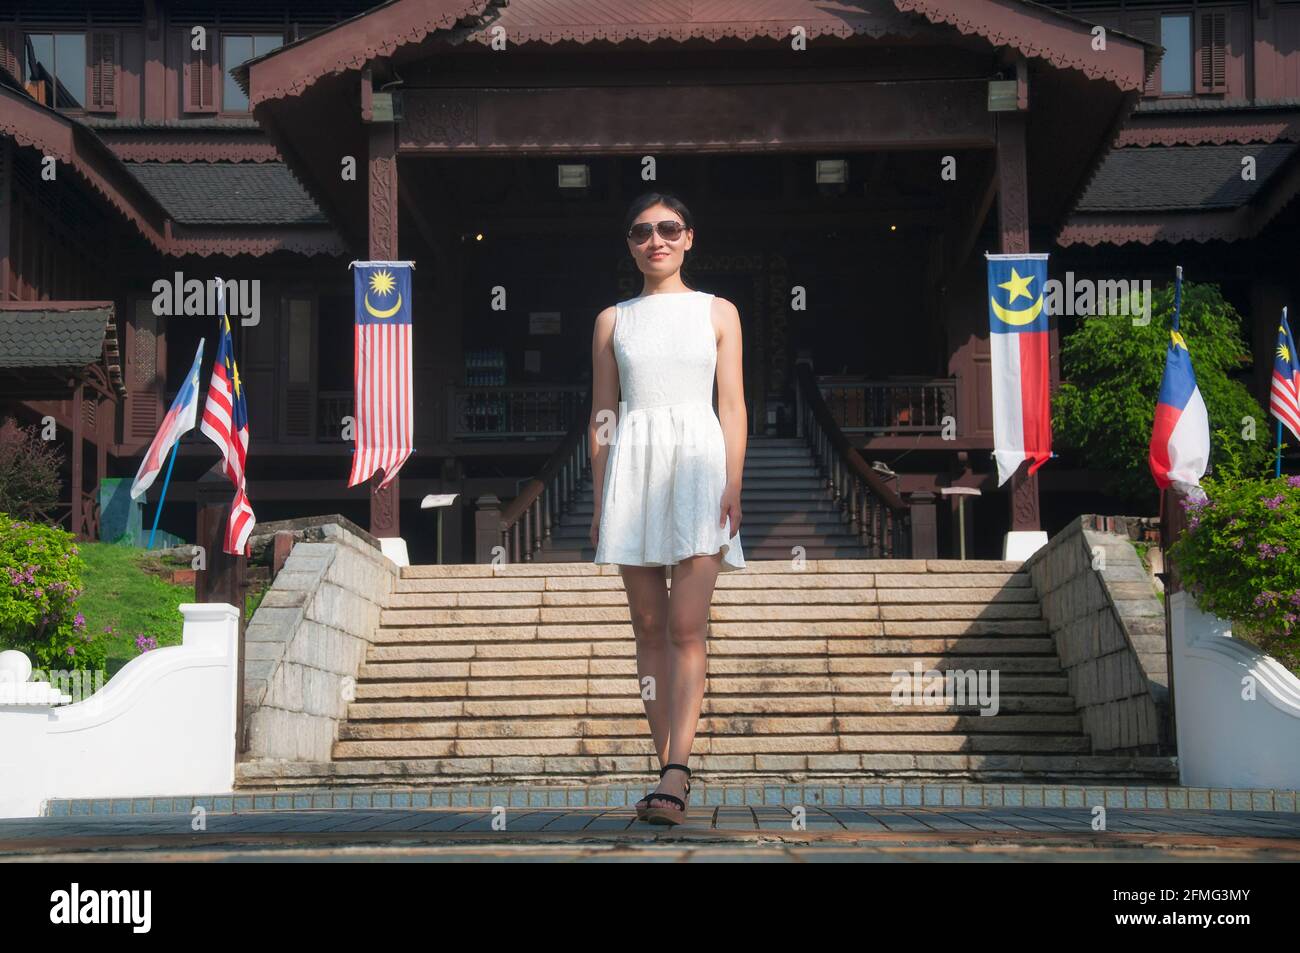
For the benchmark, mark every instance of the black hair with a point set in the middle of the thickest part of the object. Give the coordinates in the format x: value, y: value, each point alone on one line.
x: 648, y: 199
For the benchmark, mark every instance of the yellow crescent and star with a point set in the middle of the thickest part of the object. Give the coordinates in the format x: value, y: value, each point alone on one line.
x: 382, y: 284
x: 1018, y: 286
x: 1283, y: 351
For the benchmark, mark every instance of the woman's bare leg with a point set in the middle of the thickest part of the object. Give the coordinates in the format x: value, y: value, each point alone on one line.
x: 647, y: 599
x: 688, y: 630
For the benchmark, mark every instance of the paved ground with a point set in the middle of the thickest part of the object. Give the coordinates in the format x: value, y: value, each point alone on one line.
x: 719, y: 833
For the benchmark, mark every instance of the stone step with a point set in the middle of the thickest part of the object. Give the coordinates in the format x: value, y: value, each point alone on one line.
x: 812, y: 507
x: 751, y: 528
x: 721, y: 597
x: 969, y: 722
x: 862, y: 743
x: 1045, y: 695
x: 955, y: 567
x: 945, y: 583
x: 1017, y: 769
x: 865, y: 629
x: 548, y: 614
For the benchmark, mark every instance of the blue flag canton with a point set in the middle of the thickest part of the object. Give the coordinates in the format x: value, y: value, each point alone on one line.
x: 1017, y: 295
x: 1180, y: 378
x: 383, y: 294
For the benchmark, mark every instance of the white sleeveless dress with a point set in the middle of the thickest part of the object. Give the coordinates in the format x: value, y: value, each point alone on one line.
x: 667, y: 463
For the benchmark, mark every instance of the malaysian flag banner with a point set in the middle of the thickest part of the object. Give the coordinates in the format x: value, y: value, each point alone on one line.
x: 1018, y: 341
x: 384, y: 428
x: 225, y: 420
x: 1284, y: 395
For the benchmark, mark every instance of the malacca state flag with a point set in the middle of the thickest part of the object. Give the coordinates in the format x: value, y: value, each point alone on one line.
x: 178, y: 422
x: 1180, y: 437
x: 384, y: 425
x: 1020, y: 348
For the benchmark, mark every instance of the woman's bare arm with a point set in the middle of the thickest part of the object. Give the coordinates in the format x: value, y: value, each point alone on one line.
x: 604, y: 399
x: 731, y: 387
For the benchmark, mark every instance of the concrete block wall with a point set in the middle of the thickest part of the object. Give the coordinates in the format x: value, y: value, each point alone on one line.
x: 307, y: 641
x: 1108, y: 626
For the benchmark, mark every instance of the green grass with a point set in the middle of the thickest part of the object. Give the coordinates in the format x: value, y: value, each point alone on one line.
x: 123, y: 589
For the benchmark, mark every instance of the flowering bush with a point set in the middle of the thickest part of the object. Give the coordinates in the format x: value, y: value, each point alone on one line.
x: 1240, y: 558
x: 40, y: 580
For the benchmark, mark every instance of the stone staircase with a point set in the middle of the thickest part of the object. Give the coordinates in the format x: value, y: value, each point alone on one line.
x: 527, y: 673
x: 784, y: 500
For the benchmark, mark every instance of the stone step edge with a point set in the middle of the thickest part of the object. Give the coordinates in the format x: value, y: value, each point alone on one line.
x: 425, y: 570
x: 752, y: 792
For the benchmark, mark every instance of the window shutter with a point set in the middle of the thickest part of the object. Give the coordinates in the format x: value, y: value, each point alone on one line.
x: 9, y: 51
x: 1212, y: 52
x: 1147, y: 28
x: 199, y: 96
x: 103, y: 73
x: 143, y: 396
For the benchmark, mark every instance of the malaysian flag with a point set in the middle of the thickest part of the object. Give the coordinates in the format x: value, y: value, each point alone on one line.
x: 225, y: 420
x: 383, y: 428
x: 1284, y: 395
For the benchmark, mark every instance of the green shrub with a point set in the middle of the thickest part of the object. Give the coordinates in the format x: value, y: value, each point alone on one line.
x: 1240, y: 558
x: 1111, y: 369
x: 40, y: 581
x: 29, y: 472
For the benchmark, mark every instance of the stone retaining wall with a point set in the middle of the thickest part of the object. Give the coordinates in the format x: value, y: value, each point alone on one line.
x: 1108, y: 626
x: 307, y: 641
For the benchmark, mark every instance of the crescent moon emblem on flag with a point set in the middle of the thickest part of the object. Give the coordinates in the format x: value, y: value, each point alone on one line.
x: 398, y: 307
x: 1023, y: 316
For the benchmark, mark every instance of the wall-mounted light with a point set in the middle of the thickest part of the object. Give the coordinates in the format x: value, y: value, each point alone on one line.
x: 832, y: 171
x: 573, y: 175
x: 1002, y: 96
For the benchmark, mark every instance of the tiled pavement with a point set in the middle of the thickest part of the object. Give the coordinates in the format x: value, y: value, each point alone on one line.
x: 494, y: 830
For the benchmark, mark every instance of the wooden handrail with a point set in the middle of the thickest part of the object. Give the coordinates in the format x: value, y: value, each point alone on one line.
x: 529, y: 519
x: 880, y: 517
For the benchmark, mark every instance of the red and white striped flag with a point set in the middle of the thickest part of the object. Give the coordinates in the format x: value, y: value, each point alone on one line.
x: 1284, y: 394
x: 384, y: 428
x: 225, y: 420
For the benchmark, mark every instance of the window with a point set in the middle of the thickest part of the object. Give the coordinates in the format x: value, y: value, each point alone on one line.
x: 56, y: 69
x: 237, y: 49
x: 1176, y: 66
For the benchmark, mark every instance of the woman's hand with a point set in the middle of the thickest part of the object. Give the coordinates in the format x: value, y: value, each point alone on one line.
x: 730, y: 507
x: 595, y: 526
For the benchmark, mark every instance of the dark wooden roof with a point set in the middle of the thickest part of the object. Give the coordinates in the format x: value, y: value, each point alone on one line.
x: 60, y: 336
x: 228, y: 193
x: 1182, y: 178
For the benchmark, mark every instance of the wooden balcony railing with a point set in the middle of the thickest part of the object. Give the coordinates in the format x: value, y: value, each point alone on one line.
x: 514, y: 411
x: 878, y: 515
x: 898, y: 406
x: 528, y: 520
x: 82, y: 519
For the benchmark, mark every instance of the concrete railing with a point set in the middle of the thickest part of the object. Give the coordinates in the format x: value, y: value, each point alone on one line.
x: 1238, y: 709
x: 164, y: 724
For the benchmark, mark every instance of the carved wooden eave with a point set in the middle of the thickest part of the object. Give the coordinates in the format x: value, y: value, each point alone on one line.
x: 1206, y: 127
x: 94, y: 164
x: 1039, y: 32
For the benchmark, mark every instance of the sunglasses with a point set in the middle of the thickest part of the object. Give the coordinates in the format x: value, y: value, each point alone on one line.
x: 669, y: 230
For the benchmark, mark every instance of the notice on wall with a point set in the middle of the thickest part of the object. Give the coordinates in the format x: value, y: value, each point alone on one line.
x: 543, y: 322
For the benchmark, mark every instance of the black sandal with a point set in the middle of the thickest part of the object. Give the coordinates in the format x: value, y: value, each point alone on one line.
x: 643, y: 805
x: 669, y: 815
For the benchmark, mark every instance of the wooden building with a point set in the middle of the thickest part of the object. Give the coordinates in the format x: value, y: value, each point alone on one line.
x: 847, y: 166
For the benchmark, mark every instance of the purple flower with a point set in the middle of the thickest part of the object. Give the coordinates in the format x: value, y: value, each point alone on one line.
x: 71, y: 650
x: 79, y: 621
x: 1293, y: 481
x: 1273, y: 502
x: 145, y: 643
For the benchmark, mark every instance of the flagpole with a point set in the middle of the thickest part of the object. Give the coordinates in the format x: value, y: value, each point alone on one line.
x: 166, y: 480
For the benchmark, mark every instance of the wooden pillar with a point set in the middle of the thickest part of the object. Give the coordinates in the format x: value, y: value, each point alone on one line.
x: 78, y: 436
x: 382, y: 168
x: 6, y: 214
x: 1013, y: 232
x: 222, y: 578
